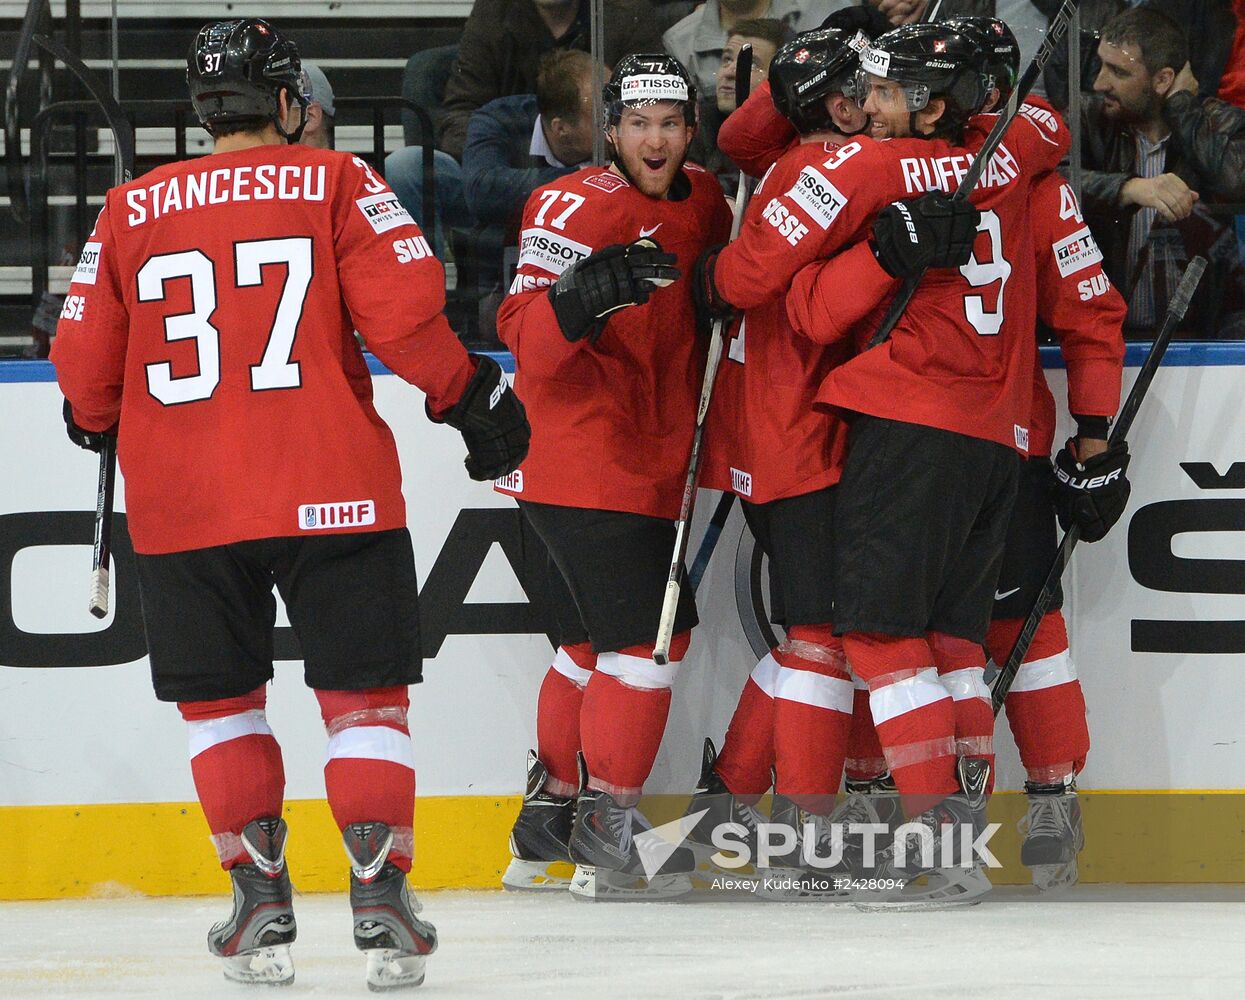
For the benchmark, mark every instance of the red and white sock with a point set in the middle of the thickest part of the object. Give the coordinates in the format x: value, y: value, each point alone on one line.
x: 557, y: 715
x: 369, y: 773
x: 237, y: 769
x: 812, y: 716
x: 961, y: 667
x: 865, y: 759
x: 1045, y: 706
x: 623, y: 718
x: 747, y: 756
x: 912, y: 712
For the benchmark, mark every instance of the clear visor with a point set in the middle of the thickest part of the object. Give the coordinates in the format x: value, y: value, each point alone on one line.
x: 916, y: 95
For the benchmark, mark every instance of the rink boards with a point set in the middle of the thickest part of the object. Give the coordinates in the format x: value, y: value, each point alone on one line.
x: 93, y: 771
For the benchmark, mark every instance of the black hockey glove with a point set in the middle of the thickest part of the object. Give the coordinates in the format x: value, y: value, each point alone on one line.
x: 612, y: 278
x: 493, y: 423
x: 90, y: 440
x: 934, y: 230
x: 1094, y: 493
x: 706, y: 299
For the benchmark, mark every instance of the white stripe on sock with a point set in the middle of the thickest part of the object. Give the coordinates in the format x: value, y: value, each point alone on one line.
x: 893, y: 700
x: 1049, y: 672
x: 207, y: 733
x: 372, y: 743
x: 818, y: 690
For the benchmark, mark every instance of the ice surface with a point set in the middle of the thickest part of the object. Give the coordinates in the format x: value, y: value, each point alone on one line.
x: 1128, y: 942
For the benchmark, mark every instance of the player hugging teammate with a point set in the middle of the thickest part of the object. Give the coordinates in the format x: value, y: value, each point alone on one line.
x: 882, y: 482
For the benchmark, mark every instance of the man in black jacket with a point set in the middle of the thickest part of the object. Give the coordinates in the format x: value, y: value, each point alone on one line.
x: 1153, y: 150
x: 503, y: 41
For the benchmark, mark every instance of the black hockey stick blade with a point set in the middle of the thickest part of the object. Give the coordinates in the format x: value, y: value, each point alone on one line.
x: 1054, y: 35
x: 1128, y: 412
x: 677, y: 574
x: 102, y: 551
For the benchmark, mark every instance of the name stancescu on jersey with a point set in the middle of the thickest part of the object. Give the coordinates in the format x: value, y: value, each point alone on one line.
x: 350, y: 514
x: 266, y: 182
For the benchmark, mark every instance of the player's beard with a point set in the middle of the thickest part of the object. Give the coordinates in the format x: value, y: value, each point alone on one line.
x: 655, y: 183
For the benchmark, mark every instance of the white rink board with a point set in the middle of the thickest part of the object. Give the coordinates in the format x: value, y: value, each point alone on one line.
x: 97, y: 735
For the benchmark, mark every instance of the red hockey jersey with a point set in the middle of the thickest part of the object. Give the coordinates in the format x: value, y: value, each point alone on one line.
x: 1080, y: 306
x: 213, y: 313
x: 961, y: 357
x: 612, y: 421
x: 1074, y: 299
x: 764, y: 441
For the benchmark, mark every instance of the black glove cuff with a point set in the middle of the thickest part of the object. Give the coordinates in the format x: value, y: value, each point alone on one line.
x: 1098, y: 428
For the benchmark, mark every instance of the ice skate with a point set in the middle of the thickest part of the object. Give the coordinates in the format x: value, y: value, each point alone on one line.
x: 540, y: 857
x: 791, y: 877
x: 608, y: 864
x: 1053, y: 834
x: 720, y: 808
x: 386, y: 928
x: 255, y: 940
x: 942, y: 880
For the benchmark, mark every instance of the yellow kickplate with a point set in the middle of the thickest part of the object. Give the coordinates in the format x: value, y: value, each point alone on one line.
x: 161, y: 849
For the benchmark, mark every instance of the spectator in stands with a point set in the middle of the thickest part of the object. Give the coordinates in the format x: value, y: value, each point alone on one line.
x: 1214, y: 25
x: 1152, y: 149
x: 503, y: 41
x: 699, y: 40
x: 516, y: 144
x: 765, y: 35
x: 320, y: 108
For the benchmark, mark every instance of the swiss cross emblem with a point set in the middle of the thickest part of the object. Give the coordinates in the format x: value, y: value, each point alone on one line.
x: 802, y: 56
x: 998, y: 28
x: 940, y: 45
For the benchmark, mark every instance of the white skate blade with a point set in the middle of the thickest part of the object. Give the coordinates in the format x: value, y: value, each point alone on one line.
x: 944, y: 889
x: 707, y: 870
x: 594, y: 884
x: 390, y: 969
x: 794, y: 885
x: 537, y: 876
x: 265, y: 966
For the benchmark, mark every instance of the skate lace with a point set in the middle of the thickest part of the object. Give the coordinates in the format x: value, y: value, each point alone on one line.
x: 1045, y: 817
x: 856, y: 808
x: 750, y: 816
x: 620, y: 827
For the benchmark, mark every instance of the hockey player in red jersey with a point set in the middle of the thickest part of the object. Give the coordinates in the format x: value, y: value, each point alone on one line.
x: 609, y: 362
x: 215, y: 336
x: 908, y: 389
x: 1078, y: 305
x: 766, y: 443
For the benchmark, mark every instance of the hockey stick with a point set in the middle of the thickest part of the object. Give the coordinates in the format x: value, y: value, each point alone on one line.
x: 1058, y: 26
x: 123, y: 171
x: 1175, y: 313
x: 713, y: 531
x: 670, y: 603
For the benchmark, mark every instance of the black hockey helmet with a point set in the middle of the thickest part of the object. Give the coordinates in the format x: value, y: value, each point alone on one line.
x: 1002, y: 51
x: 236, y: 69
x: 808, y: 68
x: 648, y: 78
x: 933, y: 59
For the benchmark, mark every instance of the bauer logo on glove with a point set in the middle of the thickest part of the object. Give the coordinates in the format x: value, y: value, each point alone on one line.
x: 1091, y: 494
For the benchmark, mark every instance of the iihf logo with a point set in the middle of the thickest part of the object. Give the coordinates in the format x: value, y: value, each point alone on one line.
x: 309, y: 517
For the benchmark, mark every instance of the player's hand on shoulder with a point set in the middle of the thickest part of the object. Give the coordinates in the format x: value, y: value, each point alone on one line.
x: 934, y: 230
x: 493, y: 423
x: 1091, y: 486
x: 90, y: 440
x: 707, y: 300
x: 610, y: 279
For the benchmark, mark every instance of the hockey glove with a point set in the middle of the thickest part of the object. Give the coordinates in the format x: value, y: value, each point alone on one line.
x: 90, y: 440
x: 610, y: 279
x: 934, y: 230
x: 706, y: 298
x: 493, y: 423
x: 1091, y: 494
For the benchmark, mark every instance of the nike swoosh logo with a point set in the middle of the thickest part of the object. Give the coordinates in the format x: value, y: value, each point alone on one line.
x: 649, y: 232
x: 998, y: 596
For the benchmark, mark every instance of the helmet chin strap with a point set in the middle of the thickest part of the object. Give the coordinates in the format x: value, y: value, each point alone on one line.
x: 291, y: 138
